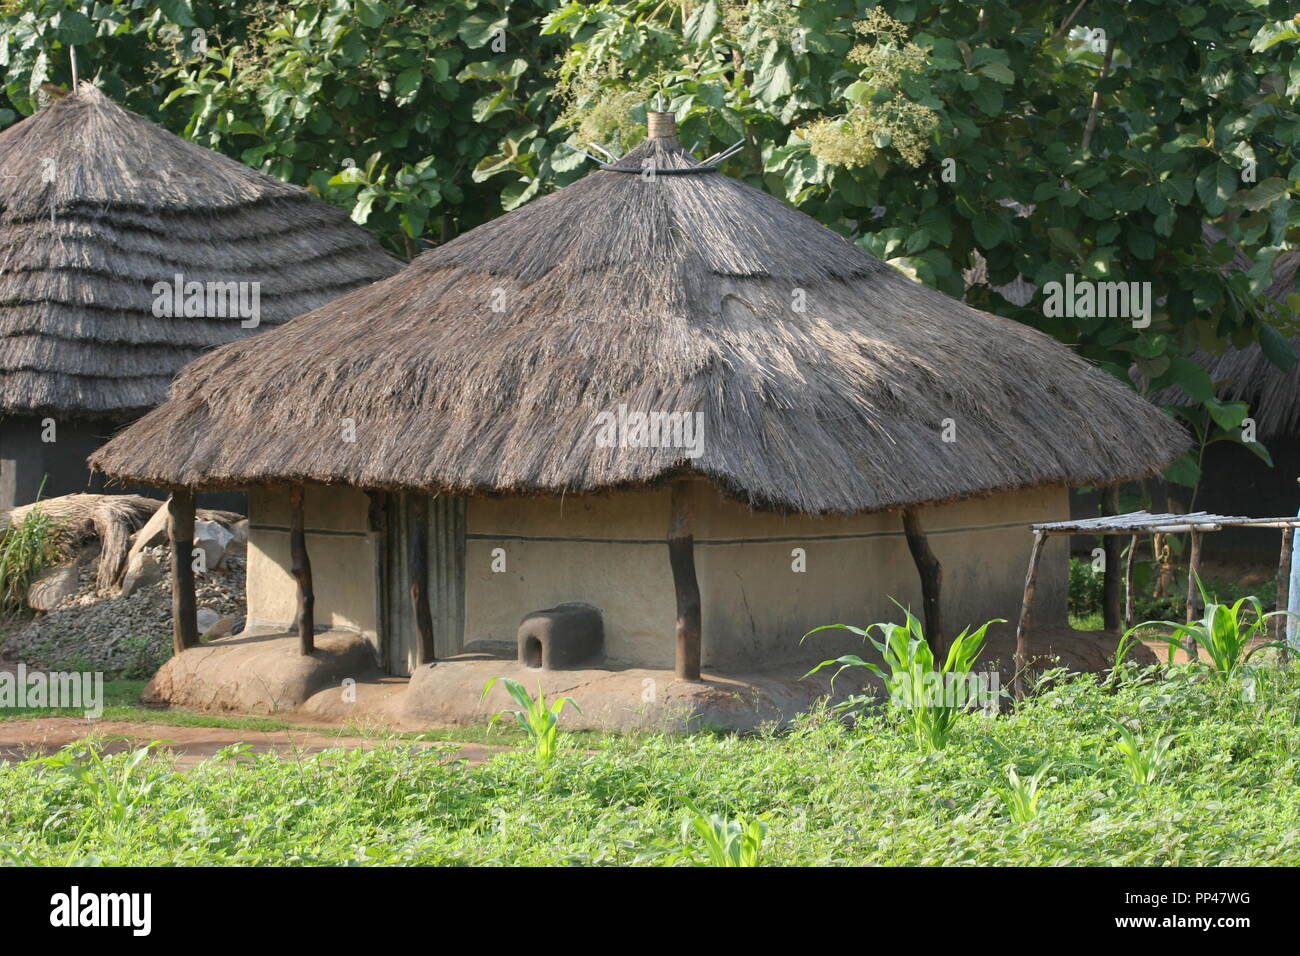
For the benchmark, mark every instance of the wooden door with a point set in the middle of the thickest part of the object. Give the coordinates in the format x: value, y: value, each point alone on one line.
x: 445, y: 562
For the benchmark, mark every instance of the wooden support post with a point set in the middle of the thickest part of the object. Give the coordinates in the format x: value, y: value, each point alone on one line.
x: 1128, y: 582
x: 1193, y: 589
x: 681, y: 557
x: 1193, y: 568
x: 180, y: 531
x: 931, y: 572
x: 1026, y: 604
x: 1111, y: 546
x: 1283, y: 587
x: 417, y: 534
x: 301, y: 570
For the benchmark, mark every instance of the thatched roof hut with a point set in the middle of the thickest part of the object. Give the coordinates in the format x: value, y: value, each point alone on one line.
x: 97, y: 205
x: 1247, y: 374
x: 825, y: 383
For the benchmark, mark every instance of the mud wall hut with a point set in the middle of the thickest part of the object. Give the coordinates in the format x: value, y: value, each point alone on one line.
x: 125, y: 252
x: 433, y: 457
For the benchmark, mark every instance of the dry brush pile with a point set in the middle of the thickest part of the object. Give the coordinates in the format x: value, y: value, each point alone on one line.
x: 105, y: 598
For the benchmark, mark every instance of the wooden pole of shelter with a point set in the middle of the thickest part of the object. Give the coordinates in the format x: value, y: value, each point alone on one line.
x: 681, y: 557
x: 1193, y: 587
x: 1022, y: 625
x: 931, y: 572
x: 1128, y: 582
x: 1111, y: 547
x: 301, y: 570
x: 418, y: 538
x: 180, y: 532
x: 1283, y: 588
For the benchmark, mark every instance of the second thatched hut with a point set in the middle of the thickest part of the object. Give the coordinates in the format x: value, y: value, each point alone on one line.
x: 125, y: 252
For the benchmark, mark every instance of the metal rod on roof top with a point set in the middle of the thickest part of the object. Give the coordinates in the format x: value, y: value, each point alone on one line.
x: 725, y: 155
x: 718, y: 155
x: 729, y: 153
x: 72, y: 55
x: 599, y: 162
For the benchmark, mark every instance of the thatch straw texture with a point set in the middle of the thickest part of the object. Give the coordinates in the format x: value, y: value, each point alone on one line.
x: 677, y: 294
x: 96, y: 206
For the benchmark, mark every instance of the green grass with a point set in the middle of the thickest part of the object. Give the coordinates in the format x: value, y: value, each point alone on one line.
x: 27, y: 549
x: 1226, y: 792
x: 122, y: 703
x: 1092, y: 621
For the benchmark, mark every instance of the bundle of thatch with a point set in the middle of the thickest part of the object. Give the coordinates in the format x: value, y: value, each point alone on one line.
x: 97, y: 205
x: 109, y: 520
x: 826, y: 380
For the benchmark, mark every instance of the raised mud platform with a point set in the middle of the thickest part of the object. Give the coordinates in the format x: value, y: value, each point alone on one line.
x: 264, y: 673
x: 448, y: 693
x: 260, y: 672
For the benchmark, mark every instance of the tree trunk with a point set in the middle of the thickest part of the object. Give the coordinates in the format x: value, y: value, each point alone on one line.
x: 180, y: 531
x: 681, y: 557
x: 1026, y: 606
x: 301, y: 570
x: 1128, y: 582
x: 1193, y: 590
x: 1112, y: 546
x: 931, y: 572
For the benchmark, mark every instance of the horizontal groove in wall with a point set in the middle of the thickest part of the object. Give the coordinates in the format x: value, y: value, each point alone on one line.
x: 725, y: 542
x: 284, y: 529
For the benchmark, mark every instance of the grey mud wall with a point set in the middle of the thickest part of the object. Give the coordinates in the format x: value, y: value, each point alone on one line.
x: 27, y: 460
x: 765, y: 580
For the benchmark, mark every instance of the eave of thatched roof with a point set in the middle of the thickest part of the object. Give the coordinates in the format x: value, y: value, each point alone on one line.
x: 1247, y: 374
x: 96, y: 206
x: 675, y: 294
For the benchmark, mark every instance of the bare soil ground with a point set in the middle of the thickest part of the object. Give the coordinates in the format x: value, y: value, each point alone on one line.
x: 189, y: 746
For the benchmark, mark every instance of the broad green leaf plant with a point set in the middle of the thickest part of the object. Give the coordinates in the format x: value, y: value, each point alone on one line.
x: 929, y: 698
x: 1224, y: 632
x: 727, y: 841
x: 539, y: 720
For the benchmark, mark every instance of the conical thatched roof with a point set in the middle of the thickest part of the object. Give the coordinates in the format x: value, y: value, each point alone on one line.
x: 1247, y: 375
x: 676, y: 294
x: 97, y: 205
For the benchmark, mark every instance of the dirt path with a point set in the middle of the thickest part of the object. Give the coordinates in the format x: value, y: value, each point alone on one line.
x: 21, y: 739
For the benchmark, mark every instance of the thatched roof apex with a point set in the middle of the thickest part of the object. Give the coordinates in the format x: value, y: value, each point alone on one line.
x: 826, y: 381
x: 97, y: 205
